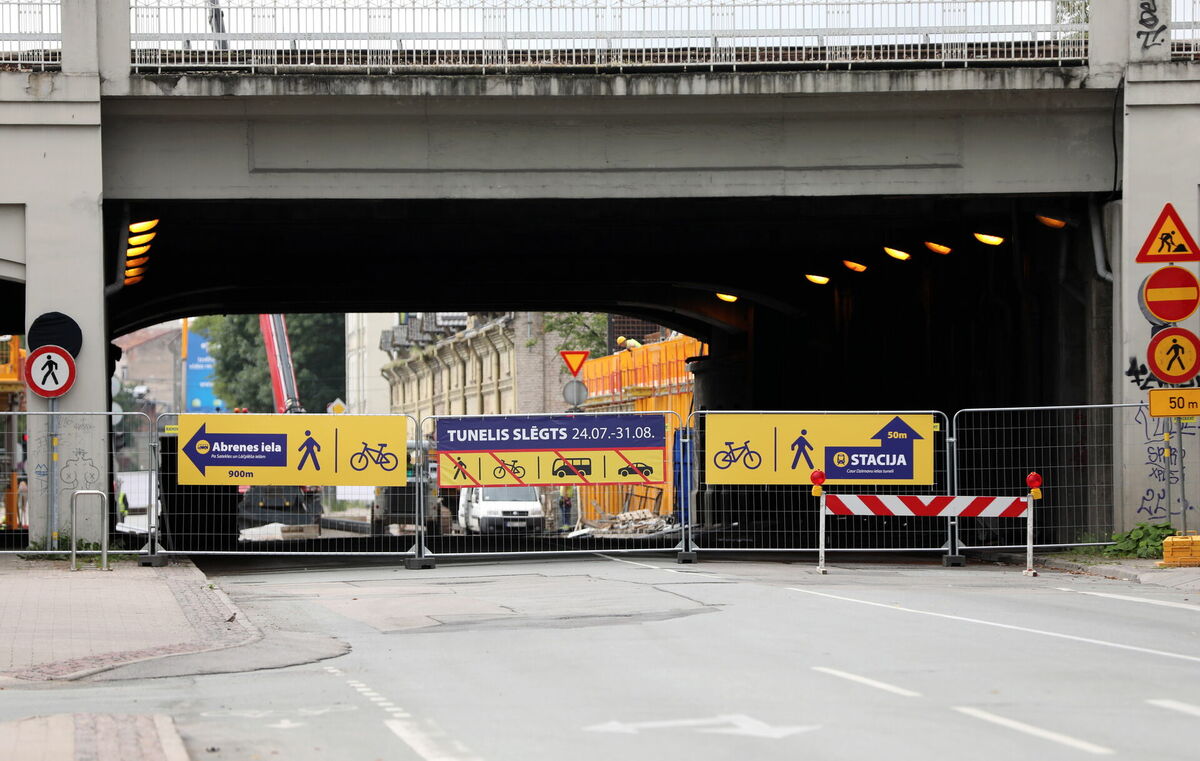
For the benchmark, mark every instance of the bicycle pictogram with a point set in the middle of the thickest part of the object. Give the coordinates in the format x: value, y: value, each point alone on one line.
x: 368, y: 455
x: 516, y: 470
x: 731, y: 454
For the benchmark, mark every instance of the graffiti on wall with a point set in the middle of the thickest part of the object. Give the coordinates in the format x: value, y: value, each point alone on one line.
x: 1163, y: 468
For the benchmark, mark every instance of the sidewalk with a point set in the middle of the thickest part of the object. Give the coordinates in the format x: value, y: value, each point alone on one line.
x: 61, y: 625
x: 1143, y: 571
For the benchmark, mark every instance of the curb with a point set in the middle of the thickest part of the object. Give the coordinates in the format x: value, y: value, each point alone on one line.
x: 1054, y: 564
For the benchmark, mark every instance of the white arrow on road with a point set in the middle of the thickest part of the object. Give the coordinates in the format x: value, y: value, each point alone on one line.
x: 741, y: 725
x: 286, y: 724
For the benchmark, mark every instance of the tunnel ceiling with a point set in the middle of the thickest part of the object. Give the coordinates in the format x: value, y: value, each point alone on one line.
x: 656, y: 258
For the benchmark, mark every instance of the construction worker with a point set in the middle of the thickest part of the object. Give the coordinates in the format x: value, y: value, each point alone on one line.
x: 628, y: 343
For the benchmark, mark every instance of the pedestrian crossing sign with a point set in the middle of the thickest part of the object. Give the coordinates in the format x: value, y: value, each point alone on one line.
x: 1169, y: 241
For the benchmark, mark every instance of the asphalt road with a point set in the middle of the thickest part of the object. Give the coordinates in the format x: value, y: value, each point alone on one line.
x: 603, y: 658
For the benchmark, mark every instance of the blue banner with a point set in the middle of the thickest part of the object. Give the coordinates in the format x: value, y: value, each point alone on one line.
x: 549, y: 432
x: 200, y: 365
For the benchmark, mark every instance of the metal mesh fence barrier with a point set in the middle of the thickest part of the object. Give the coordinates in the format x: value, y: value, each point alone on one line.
x: 1077, y: 451
x: 562, y: 483
x: 383, y: 36
x: 783, y: 515
x: 1184, y: 33
x: 46, y: 457
x: 30, y: 35
x: 289, y: 519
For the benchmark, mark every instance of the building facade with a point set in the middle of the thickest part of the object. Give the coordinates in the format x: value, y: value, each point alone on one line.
x: 499, y: 363
x: 367, y: 391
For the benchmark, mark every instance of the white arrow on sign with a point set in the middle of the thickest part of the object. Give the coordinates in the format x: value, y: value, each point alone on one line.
x: 741, y: 725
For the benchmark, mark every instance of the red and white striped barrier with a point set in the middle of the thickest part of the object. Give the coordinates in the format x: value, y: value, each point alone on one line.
x: 926, y: 507
x: 898, y: 505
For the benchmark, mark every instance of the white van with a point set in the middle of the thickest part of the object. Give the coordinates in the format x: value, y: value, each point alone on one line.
x: 493, y: 509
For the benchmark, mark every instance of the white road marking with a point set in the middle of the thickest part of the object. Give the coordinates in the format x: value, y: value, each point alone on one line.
x: 1029, y: 729
x: 740, y: 725
x: 869, y: 682
x: 286, y: 724
x: 998, y: 625
x: 1131, y: 598
x: 659, y: 568
x: 426, y: 744
x: 1175, y: 705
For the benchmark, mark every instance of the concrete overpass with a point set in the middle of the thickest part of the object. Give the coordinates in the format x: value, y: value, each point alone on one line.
x: 331, y: 167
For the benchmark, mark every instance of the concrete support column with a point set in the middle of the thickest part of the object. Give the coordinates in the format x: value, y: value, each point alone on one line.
x: 1161, y: 143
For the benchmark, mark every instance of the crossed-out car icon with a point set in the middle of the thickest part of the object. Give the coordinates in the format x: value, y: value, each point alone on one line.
x: 633, y: 468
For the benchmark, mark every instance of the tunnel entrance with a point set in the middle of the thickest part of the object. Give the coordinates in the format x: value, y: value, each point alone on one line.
x: 958, y: 323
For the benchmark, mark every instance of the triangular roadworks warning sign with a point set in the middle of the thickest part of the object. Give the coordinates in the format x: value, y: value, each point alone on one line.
x: 1169, y: 241
x: 574, y: 360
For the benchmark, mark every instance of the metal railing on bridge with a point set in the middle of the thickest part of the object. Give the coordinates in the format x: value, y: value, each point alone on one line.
x: 30, y: 35
x: 386, y: 36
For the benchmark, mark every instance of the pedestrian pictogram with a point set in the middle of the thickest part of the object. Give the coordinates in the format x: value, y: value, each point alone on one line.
x: 1170, y: 294
x: 50, y: 371
x: 1174, y: 355
x: 574, y: 360
x: 1169, y: 240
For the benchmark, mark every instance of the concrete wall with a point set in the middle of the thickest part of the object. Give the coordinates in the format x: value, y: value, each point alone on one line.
x: 1002, y: 141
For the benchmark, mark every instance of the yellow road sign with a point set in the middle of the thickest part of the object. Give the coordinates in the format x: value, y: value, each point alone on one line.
x: 786, y: 448
x: 285, y: 450
x: 1174, y: 402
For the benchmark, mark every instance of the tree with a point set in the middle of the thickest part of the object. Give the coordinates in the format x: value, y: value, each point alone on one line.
x: 241, y: 377
x: 579, y: 331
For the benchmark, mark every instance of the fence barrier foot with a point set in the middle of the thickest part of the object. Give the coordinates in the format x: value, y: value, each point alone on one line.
x: 823, y: 571
x: 1029, y: 572
x: 154, y: 561
x: 419, y: 564
x: 953, y: 561
x: 685, y: 557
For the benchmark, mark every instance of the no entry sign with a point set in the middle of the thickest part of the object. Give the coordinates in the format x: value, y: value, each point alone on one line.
x: 50, y: 371
x: 1170, y: 294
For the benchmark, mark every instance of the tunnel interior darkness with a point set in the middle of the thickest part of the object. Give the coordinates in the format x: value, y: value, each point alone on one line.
x: 1024, y: 322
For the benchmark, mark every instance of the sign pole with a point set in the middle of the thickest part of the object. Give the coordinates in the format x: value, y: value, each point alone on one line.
x: 1182, y: 482
x: 1029, y: 538
x: 52, y: 472
x: 1166, y: 454
x: 821, y: 537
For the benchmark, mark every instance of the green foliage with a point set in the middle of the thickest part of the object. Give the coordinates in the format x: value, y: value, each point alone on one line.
x: 1142, y: 541
x: 579, y: 331
x: 241, y: 377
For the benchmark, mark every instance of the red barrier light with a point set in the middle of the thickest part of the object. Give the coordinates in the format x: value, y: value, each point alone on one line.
x: 1033, y: 480
x: 817, y: 477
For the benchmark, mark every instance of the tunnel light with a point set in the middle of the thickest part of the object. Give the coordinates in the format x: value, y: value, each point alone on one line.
x: 818, y: 279
x: 1055, y: 222
x: 937, y: 248
x: 727, y: 297
x: 141, y: 240
x: 854, y: 266
x: 135, y: 271
x: 990, y: 240
x: 136, y: 251
x: 896, y: 253
x: 132, y: 280
x: 142, y: 227
x: 137, y: 262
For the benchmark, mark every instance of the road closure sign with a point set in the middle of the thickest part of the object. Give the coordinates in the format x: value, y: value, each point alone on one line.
x: 292, y: 450
x: 551, y: 450
x: 785, y: 448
